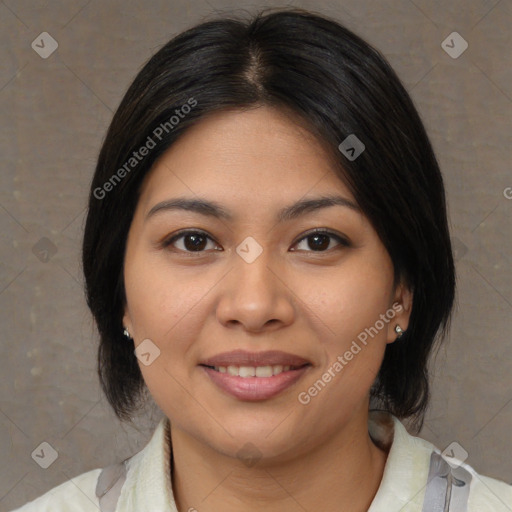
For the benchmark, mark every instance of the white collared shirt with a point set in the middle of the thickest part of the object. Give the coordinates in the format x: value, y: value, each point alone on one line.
x: 148, y: 485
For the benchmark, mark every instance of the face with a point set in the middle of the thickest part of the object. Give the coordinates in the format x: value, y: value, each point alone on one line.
x: 263, y: 323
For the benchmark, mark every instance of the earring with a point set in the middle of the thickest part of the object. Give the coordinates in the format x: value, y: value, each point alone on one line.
x: 126, y: 333
x: 399, y: 331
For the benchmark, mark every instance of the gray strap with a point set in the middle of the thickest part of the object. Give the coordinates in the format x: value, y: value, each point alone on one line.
x: 447, y: 487
x: 108, y: 487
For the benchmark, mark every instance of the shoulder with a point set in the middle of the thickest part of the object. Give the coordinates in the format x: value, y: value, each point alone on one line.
x: 488, y: 494
x: 75, y: 495
x: 417, y: 475
x: 485, y: 494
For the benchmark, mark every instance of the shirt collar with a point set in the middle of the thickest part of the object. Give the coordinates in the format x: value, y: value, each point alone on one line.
x: 148, y: 484
x: 406, y: 471
x: 148, y: 481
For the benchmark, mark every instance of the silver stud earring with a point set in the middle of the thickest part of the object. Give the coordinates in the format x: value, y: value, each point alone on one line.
x: 126, y: 333
x: 399, y: 331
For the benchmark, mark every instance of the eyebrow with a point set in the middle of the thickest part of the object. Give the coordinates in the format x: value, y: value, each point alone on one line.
x: 213, y: 209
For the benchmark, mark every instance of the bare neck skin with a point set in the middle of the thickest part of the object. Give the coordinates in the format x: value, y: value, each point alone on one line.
x: 342, y: 473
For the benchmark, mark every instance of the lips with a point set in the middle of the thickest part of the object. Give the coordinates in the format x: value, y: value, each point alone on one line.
x: 254, y: 375
x: 255, y: 359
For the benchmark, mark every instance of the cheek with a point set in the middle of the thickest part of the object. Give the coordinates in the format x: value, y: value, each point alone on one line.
x: 163, y: 303
x: 165, y: 307
x: 349, y: 305
x: 352, y: 298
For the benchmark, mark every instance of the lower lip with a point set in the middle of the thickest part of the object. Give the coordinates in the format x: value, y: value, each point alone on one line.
x: 255, y: 388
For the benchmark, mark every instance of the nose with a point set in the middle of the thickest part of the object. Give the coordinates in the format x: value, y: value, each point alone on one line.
x: 255, y: 296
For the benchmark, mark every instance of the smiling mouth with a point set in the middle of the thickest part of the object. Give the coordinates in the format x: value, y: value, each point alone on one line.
x: 255, y: 371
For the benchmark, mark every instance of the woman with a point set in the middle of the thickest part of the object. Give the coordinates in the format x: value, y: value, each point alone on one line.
x: 267, y: 251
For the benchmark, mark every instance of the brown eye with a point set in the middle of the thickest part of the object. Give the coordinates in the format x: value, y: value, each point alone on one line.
x: 320, y: 241
x: 190, y: 241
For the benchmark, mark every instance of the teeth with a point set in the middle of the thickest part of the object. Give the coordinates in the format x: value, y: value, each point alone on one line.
x: 232, y: 370
x: 247, y: 371
x: 264, y: 371
x: 253, y: 371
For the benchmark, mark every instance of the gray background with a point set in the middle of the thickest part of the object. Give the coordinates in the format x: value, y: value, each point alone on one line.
x: 54, y: 115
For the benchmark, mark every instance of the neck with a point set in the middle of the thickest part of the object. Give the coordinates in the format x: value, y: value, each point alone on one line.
x: 341, y: 473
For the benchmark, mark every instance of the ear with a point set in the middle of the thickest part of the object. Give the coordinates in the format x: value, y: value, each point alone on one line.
x: 402, y: 306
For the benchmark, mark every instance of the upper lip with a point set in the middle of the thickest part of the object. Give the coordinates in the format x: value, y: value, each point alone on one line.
x: 245, y: 358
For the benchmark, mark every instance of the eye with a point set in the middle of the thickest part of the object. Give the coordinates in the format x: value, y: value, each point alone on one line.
x: 193, y: 241
x: 196, y: 241
x: 320, y: 240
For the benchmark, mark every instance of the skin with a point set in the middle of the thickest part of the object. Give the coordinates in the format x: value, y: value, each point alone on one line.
x: 312, y: 303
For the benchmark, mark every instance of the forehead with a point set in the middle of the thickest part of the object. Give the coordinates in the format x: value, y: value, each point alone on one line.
x: 258, y: 157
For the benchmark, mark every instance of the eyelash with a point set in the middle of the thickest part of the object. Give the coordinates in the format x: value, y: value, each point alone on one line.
x: 318, y: 231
